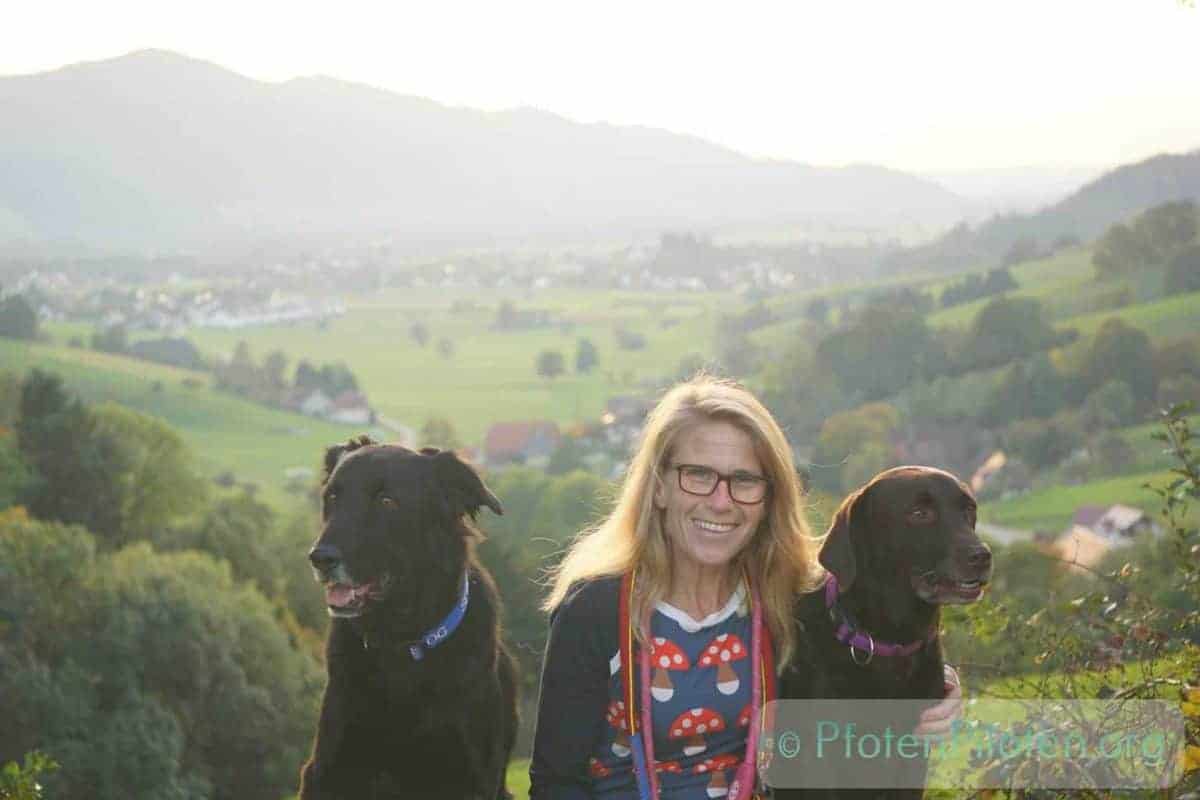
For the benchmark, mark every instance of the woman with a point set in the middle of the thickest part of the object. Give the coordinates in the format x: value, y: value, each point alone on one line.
x: 708, y: 519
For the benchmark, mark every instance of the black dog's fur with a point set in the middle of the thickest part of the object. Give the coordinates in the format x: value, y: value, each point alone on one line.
x: 391, y: 726
x: 884, y: 543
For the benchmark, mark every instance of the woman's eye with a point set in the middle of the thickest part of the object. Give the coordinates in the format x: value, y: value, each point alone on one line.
x: 387, y: 501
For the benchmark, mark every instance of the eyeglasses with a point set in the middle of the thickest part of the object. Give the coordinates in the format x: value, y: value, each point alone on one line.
x: 744, y: 487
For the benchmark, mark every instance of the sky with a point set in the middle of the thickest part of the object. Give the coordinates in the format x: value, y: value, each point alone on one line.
x: 917, y: 85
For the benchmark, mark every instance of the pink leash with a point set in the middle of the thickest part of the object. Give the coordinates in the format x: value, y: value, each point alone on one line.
x: 744, y: 779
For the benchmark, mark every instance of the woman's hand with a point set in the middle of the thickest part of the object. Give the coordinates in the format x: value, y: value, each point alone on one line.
x: 936, y: 721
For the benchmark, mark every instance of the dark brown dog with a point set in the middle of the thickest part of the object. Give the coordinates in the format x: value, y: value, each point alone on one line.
x: 418, y: 703
x: 898, y: 549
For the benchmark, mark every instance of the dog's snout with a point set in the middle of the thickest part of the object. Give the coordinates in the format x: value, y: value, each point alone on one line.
x: 980, y: 557
x: 325, y: 557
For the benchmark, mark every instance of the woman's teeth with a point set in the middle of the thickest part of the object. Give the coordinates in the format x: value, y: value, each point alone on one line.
x: 713, y: 527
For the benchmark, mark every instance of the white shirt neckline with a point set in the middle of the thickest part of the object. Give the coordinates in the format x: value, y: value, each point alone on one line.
x: 685, y: 621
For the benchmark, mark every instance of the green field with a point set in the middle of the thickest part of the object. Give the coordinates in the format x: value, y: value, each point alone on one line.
x: 491, y: 376
x: 1051, y: 508
x: 1171, y: 318
x: 1066, y: 274
x: 224, y: 432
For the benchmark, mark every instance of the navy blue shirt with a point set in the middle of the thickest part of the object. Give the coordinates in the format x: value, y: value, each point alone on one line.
x: 700, y: 685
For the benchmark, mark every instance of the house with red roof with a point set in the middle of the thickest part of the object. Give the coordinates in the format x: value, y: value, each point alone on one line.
x: 531, y: 443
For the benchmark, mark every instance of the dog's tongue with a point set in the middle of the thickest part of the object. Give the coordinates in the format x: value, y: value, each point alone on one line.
x: 339, y: 594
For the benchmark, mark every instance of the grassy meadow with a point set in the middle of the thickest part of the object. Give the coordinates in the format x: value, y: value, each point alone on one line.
x: 491, y: 375
x: 224, y: 432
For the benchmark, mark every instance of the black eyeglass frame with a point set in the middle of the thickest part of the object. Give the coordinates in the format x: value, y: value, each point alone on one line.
x: 728, y: 479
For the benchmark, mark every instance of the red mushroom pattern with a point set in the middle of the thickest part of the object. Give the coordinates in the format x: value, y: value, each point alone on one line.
x: 743, y: 720
x: 616, y: 720
x: 666, y: 657
x: 716, y: 766
x: 721, y: 652
x: 692, y: 725
x: 668, y: 766
x: 596, y: 769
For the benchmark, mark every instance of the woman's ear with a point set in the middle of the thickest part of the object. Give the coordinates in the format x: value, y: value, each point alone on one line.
x: 660, y: 491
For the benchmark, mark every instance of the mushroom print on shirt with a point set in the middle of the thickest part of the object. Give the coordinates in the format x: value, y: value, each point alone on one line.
x: 700, y: 684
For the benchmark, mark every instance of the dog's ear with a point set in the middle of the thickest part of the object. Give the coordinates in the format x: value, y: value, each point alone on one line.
x: 837, y: 553
x: 459, y: 486
x: 334, y: 453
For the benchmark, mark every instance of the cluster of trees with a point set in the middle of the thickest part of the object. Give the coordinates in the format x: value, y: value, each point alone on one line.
x: 419, y: 333
x: 161, y: 638
x: 973, y: 287
x: 1125, y: 629
x: 552, y: 363
x: 173, y: 351
x: 1155, y: 238
x: 18, y: 319
x: 162, y: 642
x: 268, y: 382
x: 997, y: 375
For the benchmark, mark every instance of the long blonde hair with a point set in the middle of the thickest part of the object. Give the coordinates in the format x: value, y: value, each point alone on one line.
x: 781, y: 555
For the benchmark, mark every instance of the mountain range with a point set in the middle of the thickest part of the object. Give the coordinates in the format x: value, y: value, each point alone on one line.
x: 155, y: 148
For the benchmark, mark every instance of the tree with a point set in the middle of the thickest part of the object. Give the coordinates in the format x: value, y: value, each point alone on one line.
x: 18, y: 320
x: 586, y: 356
x: 419, y: 333
x: 1032, y: 388
x: 567, y: 457
x: 1120, y: 250
x: 1109, y: 406
x: 1024, y: 249
x: 1121, y: 352
x: 550, y: 364
x: 445, y: 347
x: 15, y: 475
x: 273, y: 375
x: 307, y: 376
x: 863, y: 434
x: 1168, y: 227
x: 121, y: 474
x: 1004, y: 329
x: 439, y: 432
x: 817, y: 310
x: 239, y: 529
x: 881, y: 353
x: 1045, y: 443
x: 113, y: 339
x: 98, y: 680
x: 1111, y: 454
x: 1183, y: 273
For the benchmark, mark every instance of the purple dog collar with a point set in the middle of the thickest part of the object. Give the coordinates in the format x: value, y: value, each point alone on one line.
x: 864, y: 642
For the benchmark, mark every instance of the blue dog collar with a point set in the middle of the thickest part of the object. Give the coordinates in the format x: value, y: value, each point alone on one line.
x: 441, y: 632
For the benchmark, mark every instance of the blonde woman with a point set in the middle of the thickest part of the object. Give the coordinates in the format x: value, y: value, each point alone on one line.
x: 687, y: 587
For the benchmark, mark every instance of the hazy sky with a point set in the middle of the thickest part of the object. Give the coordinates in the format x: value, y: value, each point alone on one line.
x: 913, y: 84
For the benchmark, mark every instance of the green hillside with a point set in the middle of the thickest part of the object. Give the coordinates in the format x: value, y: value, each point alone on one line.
x: 226, y: 433
x: 491, y: 376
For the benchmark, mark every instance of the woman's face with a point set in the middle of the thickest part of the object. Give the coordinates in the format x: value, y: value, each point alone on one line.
x: 706, y: 532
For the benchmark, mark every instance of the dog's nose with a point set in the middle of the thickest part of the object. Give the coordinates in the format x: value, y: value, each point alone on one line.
x: 325, y: 557
x: 980, y: 557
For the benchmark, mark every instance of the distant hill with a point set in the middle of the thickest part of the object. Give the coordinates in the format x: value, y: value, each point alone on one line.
x: 154, y: 147
x: 1116, y: 195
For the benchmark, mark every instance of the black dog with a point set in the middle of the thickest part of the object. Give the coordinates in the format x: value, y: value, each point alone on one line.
x: 898, y: 548
x: 421, y: 697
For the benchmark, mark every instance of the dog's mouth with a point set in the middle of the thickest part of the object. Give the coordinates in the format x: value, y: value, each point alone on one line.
x: 933, y: 587
x: 346, y: 599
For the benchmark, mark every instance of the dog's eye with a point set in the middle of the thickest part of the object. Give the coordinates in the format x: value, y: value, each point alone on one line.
x: 922, y: 515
